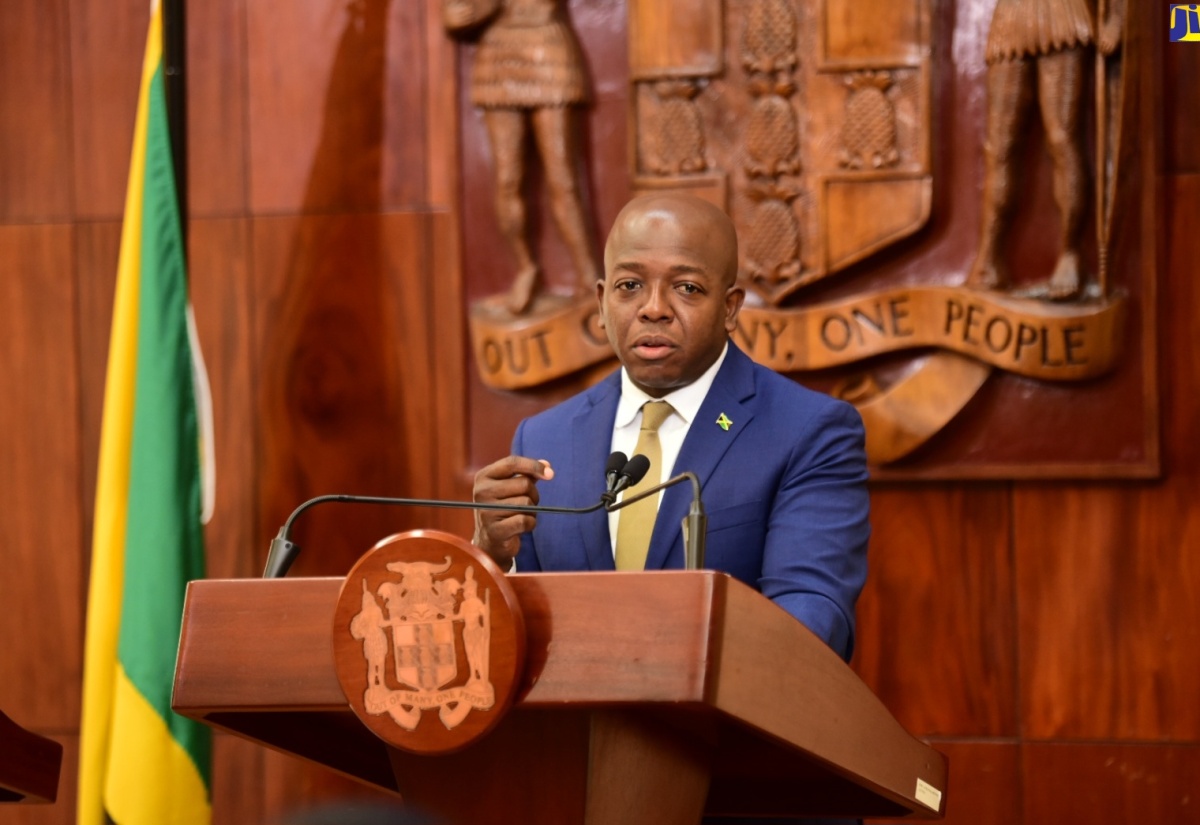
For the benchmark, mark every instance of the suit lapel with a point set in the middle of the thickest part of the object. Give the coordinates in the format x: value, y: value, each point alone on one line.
x: 592, y: 430
x: 703, y: 448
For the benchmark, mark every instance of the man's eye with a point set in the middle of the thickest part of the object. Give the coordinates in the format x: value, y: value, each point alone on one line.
x: 688, y: 289
x: 628, y: 286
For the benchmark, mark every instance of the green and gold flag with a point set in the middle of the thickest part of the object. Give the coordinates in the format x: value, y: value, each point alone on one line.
x: 140, y: 763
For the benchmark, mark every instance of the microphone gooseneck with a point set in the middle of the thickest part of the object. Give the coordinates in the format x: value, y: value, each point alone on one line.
x: 283, y: 550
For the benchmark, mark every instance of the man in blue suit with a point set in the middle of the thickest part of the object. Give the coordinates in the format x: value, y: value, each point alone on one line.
x: 783, y: 469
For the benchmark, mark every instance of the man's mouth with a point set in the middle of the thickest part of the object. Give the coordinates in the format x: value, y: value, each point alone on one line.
x: 653, y: 347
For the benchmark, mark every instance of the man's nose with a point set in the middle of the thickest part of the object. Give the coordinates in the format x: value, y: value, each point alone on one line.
x: 656, y: 305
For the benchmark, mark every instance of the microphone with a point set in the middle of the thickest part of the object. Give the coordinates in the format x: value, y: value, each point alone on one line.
x: 633, y: 471
x: 612, y: 470
x: 694, y: 524
x: 283, y: 551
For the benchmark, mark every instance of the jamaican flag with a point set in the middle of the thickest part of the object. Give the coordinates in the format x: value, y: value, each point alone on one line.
x: 141, y: 764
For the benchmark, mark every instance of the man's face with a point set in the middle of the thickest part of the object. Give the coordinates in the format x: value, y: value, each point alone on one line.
x: 668, y: 300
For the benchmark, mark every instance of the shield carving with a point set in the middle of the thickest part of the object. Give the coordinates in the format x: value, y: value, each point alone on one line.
x: 808, y: 121
x: 425, y: 653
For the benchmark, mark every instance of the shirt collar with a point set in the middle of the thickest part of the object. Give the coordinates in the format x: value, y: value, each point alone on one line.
x: 686, y: 400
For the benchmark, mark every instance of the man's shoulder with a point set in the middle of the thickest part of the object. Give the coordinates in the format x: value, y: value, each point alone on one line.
x: 581, y: 403
x: 772, y: 383
x: 774, y: 388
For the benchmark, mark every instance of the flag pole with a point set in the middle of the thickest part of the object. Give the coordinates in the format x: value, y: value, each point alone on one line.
x: 174, y: 63
x: 175, y: 82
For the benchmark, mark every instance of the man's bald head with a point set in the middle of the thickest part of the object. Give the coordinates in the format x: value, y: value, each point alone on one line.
x: 711, y: 230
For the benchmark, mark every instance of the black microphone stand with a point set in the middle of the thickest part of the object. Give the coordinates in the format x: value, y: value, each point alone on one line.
x: 284, y: 551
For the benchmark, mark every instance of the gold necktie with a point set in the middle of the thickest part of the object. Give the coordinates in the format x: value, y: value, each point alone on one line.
x: 637, y: 520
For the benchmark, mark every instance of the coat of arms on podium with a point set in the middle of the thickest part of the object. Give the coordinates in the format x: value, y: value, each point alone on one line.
x: 414, y: 636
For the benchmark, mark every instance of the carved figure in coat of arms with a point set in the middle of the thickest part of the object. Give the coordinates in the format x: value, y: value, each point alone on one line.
x: 1036, y: 52
x: 528, y: 78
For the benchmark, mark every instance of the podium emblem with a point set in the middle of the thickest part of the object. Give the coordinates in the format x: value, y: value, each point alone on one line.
x: 428, y: 641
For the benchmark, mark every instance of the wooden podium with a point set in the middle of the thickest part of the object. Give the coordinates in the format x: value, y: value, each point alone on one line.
x: 29, y: 764
x: 653, y: 697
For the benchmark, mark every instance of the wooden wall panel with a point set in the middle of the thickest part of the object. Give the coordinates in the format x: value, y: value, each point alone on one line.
x: 445, y: 263
x: 237, y: 781
x: 216, y: 83
x: 341, y: 381
x: 108, y: 41
x: 40, y: 525
x: 35, y: 116
x: 1181, y: 126
x: 290, y: 52
x: 406, y: 166
x: 441, y: 123
x: 412, y: 357
x: 984, y: 781
x: 450, y: 354
x: 317, y: 97
x: 1108, y: 613
x: 97, y: 247
x: 223, y: 300
x: 1108, y: 575
x: 1109, y: 782
x: 936, y: 638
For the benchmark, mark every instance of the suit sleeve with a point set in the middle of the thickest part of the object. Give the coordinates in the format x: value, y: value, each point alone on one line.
x: 815, y: 553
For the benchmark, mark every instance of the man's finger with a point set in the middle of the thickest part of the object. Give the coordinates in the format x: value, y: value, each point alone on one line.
x: 516, y: 465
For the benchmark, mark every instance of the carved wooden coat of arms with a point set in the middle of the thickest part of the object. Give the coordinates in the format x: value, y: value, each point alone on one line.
x: 417, y: 622
x: 895, y: 250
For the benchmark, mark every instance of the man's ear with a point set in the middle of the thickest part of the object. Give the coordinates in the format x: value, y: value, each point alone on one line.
x: 600, y: 301
x: 734, y: 296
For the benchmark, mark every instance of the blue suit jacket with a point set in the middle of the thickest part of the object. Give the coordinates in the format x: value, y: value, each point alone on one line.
x: 784, y: 490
